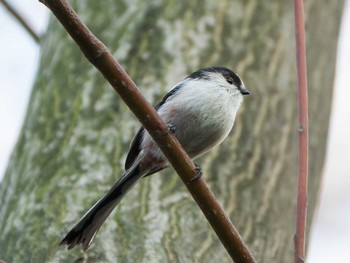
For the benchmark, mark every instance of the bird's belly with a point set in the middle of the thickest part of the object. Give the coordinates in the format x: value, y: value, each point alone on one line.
x: 199, y: 123
x: 202, y: 130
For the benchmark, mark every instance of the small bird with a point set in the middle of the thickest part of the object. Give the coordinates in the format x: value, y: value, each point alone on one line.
x: 199, y: 111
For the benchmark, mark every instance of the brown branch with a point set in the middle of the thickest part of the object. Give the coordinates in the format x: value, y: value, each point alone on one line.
x: 299, y: 237
x: 21, y: 20
x: 97, y: 53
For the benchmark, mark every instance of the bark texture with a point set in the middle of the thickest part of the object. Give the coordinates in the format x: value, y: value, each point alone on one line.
x: 77, y: 132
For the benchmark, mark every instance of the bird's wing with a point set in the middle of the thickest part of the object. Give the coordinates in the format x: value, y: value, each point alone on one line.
x: 135, y: 146
x: 135, y: 149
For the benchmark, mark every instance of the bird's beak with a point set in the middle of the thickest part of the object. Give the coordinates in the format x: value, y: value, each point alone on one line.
x: 244, y: 91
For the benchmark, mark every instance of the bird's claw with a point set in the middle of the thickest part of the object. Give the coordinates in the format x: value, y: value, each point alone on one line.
x: 171, y: 128
x: 198, y: 174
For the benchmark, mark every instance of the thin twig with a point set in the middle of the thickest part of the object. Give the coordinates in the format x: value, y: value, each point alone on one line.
x: 97, y: 53
x: 21, y: 20
x: 299, y: 237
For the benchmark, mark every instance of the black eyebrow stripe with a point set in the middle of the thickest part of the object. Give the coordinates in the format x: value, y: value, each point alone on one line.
x: 202, y: 74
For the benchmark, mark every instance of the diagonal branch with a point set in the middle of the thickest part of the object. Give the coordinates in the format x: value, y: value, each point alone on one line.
x: 21, y: 20
x: 97, y: 53
x: 299, y: 237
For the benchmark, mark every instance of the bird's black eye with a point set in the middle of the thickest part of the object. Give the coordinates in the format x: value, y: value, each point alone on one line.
x: 229, y: 80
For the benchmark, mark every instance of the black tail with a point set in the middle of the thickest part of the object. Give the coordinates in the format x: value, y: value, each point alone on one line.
x: 85, y: 230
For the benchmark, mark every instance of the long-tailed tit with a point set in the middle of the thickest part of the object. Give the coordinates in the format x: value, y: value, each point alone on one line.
x: 200, y: 111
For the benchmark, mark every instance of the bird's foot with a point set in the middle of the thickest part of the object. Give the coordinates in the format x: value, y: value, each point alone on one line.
x: 198, y: 174
x: 171, y: 128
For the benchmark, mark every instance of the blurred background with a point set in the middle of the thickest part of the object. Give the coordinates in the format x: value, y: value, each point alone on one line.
x: 330, y: 235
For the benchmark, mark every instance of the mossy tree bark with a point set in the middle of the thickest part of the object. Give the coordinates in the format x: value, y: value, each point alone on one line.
x: 77, y: 131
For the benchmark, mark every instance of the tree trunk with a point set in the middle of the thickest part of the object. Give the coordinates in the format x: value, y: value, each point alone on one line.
x: 77, y: 132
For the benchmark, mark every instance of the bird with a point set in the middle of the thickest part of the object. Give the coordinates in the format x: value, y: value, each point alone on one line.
x: 200, y: 111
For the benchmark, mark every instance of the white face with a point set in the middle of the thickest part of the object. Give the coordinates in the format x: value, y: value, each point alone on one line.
x: 225, y: 82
